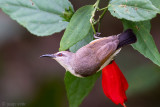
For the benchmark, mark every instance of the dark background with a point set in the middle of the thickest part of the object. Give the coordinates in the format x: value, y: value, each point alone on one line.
x: 25, y: 79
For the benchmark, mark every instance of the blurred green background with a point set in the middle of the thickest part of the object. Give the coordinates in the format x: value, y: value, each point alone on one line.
x: 28, y: 81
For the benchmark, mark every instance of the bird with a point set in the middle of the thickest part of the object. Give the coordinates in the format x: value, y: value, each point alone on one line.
x: 94, y: 56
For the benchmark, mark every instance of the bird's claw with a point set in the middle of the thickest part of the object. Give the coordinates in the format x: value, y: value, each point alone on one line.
x: 96, y: 36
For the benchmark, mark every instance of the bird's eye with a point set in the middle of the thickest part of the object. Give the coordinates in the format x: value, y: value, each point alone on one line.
x: 60, y: 54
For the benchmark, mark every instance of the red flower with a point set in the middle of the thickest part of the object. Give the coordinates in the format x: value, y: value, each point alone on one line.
x: 114, y: 84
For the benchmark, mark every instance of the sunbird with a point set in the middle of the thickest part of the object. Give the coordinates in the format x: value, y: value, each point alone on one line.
x: 94, y: 56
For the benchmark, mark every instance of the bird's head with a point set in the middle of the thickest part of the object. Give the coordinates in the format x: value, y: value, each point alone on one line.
x: 62, y: 57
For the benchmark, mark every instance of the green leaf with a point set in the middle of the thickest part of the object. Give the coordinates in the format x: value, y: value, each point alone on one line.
x: 145, y: 44
x: 156, y: 3
x: 142, y: 79
x: 133, y: 10
x: 40, y: 17
x: 83, y: 42
x: 78, y: 88
x: 78, y: 27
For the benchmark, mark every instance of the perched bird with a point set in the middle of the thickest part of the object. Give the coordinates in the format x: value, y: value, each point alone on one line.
x: 94, y: 56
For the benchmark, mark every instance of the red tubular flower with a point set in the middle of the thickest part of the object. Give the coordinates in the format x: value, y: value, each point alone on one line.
x: 114, y: 84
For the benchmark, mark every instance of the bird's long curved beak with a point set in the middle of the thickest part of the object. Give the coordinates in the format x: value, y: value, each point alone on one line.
x: 48, y: 55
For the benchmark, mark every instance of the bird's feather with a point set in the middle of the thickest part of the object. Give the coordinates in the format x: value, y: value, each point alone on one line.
x: 98, y: 51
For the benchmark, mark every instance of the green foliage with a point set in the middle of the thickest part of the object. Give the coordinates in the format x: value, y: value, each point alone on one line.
x: 45, y: 17
x: 78, y: 28
x: 40, y: 17
x: 83, y: 42
x: 133, y: 10
x: 68, y: 14
x: 78, y: 88
x: 156, y: 3
x: 145, y: 44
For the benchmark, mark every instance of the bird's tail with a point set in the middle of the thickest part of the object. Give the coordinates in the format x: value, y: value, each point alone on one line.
x: 126, y: 38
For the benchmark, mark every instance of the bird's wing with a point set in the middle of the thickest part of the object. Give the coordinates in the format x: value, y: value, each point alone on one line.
x: 96, y: 53
x: 102, y: 40
x: 106, y: 51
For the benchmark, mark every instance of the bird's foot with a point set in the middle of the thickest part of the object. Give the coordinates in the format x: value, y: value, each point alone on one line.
x: 96, y: 36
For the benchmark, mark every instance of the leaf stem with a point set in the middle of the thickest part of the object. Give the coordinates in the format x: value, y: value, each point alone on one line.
x: 102, y: 15
x: 102, y: 8
x: 92, y: 21
x: 93, y: 14
x: 99, y: 25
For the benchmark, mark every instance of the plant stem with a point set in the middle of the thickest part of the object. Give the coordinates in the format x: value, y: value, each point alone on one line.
x: 93, y: 14
x: 92, y: 21
x: 101, y: 16
x: 93, y: 28
x: 102, y: 8
x: 99, y: 25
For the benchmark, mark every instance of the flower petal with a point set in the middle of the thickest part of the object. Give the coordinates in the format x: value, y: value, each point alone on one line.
x: 114, y: 83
